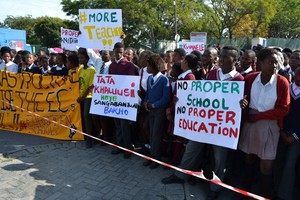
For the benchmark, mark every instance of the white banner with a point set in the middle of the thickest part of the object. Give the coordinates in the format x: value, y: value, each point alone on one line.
x: 69, y: 39
x: 209, y: 111
x: 190, y: 46
x: 198, y: 37
x: 100, y: 28
x: 115, y: 96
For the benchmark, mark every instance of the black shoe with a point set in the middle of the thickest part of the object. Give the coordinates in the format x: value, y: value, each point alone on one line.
x: 147, y: 163
x: 154, y: 165
x: 116, y: 151
x: 172, y: 179
x: 212, y: 195
x: 126, y: 155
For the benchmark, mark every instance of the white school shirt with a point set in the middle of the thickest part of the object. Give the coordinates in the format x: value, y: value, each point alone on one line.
x: 224, y: 77
x: 106, y: 67
x: 182, y: 75
x: 296, y: 89
x: 144, y: 77
x: 263, y: 97
x: 11, y: 67
x: 156, y: 76
x: 248, y: 70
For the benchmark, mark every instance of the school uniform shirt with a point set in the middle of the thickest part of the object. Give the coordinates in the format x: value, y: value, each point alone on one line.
x: 59, y: 71
x: 33, y: 68
x: 10, y: 67
x: 247, y: 71
x: 289, y: 71
x: 291, y: 122
x: 187, y: 75
x: 158, y: 91
x: 281, y: 107
x: 263, y: 97
x: 105, y: 69
x: 144, y: 77
x: 45, y: 71
x: 122, y: 67
x: 217, y: 74
x: 295, y: 89
x: 86, y: 79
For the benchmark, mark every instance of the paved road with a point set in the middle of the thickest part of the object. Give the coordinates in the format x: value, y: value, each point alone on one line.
x: 10, y: 141
x: 40, y: 168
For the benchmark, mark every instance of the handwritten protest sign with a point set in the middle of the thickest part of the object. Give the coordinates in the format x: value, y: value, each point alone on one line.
x: 115, y: 96
x: 51, y: 97
x: 100, y: 28
x: 209, y: 111
x: 69, y: 39
x: 190, y: 46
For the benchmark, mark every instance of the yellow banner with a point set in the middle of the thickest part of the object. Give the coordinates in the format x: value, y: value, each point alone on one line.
x: 52, y: 97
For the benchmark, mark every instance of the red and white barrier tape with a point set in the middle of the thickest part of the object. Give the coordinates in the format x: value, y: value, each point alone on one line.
x: 214, y: 180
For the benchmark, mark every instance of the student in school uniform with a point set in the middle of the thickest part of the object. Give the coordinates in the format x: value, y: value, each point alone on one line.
x: 168, y: 136
x: 226, y: 72
x: 86, y: 81
x: 44, y: 62
x: 248, y: 61
x: 156, y: 101
x: 142, y: 117
x: 7, y: 64
x: 187, y: 65
x: 289, y: 144
x: 121, y: 66
x: 266, y: 103
x: 208, y: 62
x: 294, y: 62
x: 30, y: 66
x: 60, y: 68
x: 104, y: 125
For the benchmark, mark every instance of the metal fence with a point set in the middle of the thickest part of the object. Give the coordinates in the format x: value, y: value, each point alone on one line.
x: 241, y: 43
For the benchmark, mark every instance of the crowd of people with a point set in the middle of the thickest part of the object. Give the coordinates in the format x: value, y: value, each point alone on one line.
x: 268, y: 146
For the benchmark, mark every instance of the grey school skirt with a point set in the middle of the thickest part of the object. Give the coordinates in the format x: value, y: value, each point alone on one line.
x: 260, y: 138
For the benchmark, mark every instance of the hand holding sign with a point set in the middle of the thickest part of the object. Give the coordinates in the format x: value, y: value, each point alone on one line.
x: 244, y: 102
x: 100, y: 28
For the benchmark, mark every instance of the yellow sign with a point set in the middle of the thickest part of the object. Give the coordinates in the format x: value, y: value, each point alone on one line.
x: 100, y: 28
x: 26, y: 99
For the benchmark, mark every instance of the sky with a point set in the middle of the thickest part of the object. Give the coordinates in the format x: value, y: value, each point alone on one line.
x: 36, y: 8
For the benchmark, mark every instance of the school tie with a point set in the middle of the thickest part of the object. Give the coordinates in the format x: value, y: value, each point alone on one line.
x: 5, y: 67
x: 152, y: 81
x: 102, y: 68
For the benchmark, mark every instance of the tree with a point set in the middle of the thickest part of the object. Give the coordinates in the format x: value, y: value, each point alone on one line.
x: 22, y: 23
x: 42, y: 30
x: 226, y: 14
x: 286, y: 23
x: 149, y: 21
x: 249, y: 28
x: 48, y: 30
x: 263, y: 13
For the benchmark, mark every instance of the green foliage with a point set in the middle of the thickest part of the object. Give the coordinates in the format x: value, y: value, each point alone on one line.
x: 48, y: 30
x: 42, y: 30
x: 22, y: 23
x: 263, y: 13
x: 226, y: 14
x: 286, y: 23
x: 148, y: 21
